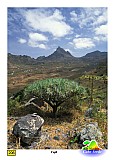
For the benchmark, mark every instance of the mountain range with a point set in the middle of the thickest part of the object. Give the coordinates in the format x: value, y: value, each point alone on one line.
x: 58, y: 55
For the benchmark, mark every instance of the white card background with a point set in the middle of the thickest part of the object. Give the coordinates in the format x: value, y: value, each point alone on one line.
x: 61, y: 154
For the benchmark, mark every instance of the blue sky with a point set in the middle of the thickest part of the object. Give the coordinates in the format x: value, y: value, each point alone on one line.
x: 39, y: 31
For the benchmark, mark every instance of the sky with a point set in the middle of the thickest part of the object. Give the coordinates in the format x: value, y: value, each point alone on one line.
x: 39, y: 31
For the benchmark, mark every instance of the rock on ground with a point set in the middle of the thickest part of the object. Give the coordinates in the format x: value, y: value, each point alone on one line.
x: 90, y: 132
x: 28, y: 128
x: 89, y: 113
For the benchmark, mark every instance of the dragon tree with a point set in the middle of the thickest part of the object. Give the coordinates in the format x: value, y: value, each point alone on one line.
x: 54, y: 91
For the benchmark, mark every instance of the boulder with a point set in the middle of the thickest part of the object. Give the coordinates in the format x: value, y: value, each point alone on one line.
x: 28, y: 128
x: 89, y: 132
x: 89, y: 113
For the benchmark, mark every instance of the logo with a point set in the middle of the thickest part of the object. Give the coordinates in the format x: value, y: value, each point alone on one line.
x: 11, y: 152
x: 91, y: 147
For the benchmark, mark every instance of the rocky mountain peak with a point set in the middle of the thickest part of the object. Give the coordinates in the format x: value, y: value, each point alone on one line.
x: 60, y: 53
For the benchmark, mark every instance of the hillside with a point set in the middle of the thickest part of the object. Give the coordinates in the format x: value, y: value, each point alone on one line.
x: 58, y: 55
x: 19, y: 59
x: 95, y: 56
x: 23, y: 70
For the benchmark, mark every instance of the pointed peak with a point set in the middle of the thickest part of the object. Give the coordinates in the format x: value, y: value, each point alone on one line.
x: 60, y: 53
x: 59, y: 48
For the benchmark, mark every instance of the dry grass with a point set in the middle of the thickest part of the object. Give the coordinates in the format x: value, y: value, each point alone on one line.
x: 62, y: 126
x: 66, y: 120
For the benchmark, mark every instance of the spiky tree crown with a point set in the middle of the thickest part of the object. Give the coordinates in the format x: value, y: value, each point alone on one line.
x: 54, y: 90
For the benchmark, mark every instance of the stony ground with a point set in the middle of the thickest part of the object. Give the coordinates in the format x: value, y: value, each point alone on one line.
x: 57, y: 132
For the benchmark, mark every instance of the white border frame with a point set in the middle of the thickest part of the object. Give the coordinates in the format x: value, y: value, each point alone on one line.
x: 61, y: 154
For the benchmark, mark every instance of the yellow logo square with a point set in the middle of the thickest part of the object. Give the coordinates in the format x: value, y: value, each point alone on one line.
x: 11, y: 152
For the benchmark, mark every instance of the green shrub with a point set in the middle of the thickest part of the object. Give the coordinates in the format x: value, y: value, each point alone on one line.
x: 13, y: 105
x: 54, y: 91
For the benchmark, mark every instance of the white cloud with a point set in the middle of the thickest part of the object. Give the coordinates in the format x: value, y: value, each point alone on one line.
x: 21, y: 40
x: 101, y: 19
x: 101, y: 30
x: 73, y: 16
x: 43, y: 46
x: 89, y: 17
x: 92, y: 19
x: 83, y: 43
x: 37, y: 37
x: 100, y: 38
x: 77, y: 35
x: 101, y: 33
x: 96, y: 38
x: 33, y: 43
x: 45, y: 21
x: 36, y: 44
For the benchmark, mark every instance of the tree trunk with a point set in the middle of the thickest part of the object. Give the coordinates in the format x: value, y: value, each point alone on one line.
x: 54, y: 111
x: 54, y: 106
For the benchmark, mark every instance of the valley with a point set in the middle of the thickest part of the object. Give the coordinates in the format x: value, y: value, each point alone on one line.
x: 23, y: 70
